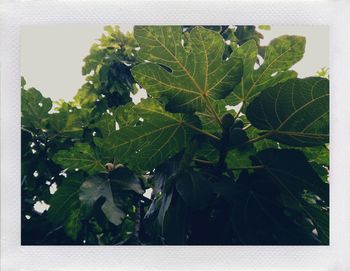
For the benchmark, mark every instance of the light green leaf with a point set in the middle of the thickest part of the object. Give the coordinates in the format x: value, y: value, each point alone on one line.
x: 281, y: 54
x: 35, y: 108
x: 253, y: 132
x: 158, y: 138
x: 239, y: 158
x: 95, y: 188
x: 264, y: 27
x: 80, y: 156
x: 106, y: 124
x: 295, y: 112
x: 190, y: 79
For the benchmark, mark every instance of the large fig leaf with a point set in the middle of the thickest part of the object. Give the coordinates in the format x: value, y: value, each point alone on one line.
x: 160, y: 136
x: 123, y: 179
x: 189, y: 78
x: 34, y: 108
x: 95, y: 188
x: 281, y: 54
x: 80, y: 156
x: 295, y: 112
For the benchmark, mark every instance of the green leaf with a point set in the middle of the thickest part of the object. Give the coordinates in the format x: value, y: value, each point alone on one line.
x: 292, y: 172
x: 35, y: 108
x: 73, y: 225
x: 174, y: 230
x: 237, y: 158
x: 281, y: 54
x: 295, y: 112
x: 189, y: 80
x: 65, y: 199
x: 66, y: 124
x: 319, y: 154
x: 106, y: 124
x: 195, y: 189
x: 95, y: 188
x: 209, y: 123
x: 322, y: 224
x: 253, y: 132
x: 264, y: 27
x: 80, y: 156
x: 158, y: 138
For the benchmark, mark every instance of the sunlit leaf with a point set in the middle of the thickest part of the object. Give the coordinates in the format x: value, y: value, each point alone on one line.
x: 281, y: 54
x: 80, y: 156
x: 189, y: 80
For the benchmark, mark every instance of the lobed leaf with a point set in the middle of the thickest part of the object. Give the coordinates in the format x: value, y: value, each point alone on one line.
x: 295, y: 112
x: 280, y: 55
x: 80, y: 156
x: 190, y: 79
x: 95, y: 188
x: 34, y: 108
x: 158, y: 138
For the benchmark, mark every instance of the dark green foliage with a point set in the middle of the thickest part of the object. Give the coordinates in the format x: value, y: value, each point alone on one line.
x: 258, y: 176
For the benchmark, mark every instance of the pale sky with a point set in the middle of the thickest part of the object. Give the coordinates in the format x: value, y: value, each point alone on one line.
x: 52, y: 55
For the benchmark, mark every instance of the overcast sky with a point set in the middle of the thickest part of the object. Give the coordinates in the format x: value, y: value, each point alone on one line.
x: 52, y: 55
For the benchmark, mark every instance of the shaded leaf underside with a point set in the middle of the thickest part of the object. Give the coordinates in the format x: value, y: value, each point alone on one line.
x: 295, y: 112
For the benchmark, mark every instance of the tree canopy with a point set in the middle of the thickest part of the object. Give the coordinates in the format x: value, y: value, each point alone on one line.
x: 230, y: 145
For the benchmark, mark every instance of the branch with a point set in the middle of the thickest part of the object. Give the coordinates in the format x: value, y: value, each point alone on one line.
x: 258, y: 138
x: 201, y: 131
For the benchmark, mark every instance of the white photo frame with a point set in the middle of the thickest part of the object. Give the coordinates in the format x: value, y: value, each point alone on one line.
x: 15, y: 14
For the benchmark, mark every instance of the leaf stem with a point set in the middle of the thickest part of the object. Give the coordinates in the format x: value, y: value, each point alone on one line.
x: 203, y: 161
x: 247, y: 127
x: 201, y: 131
x: 239, y: 111
x: 258, y: 138
x: 242, y: 168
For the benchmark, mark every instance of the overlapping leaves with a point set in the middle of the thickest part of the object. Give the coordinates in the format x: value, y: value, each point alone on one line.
x: 160, y: 136
x: 280, y: 55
